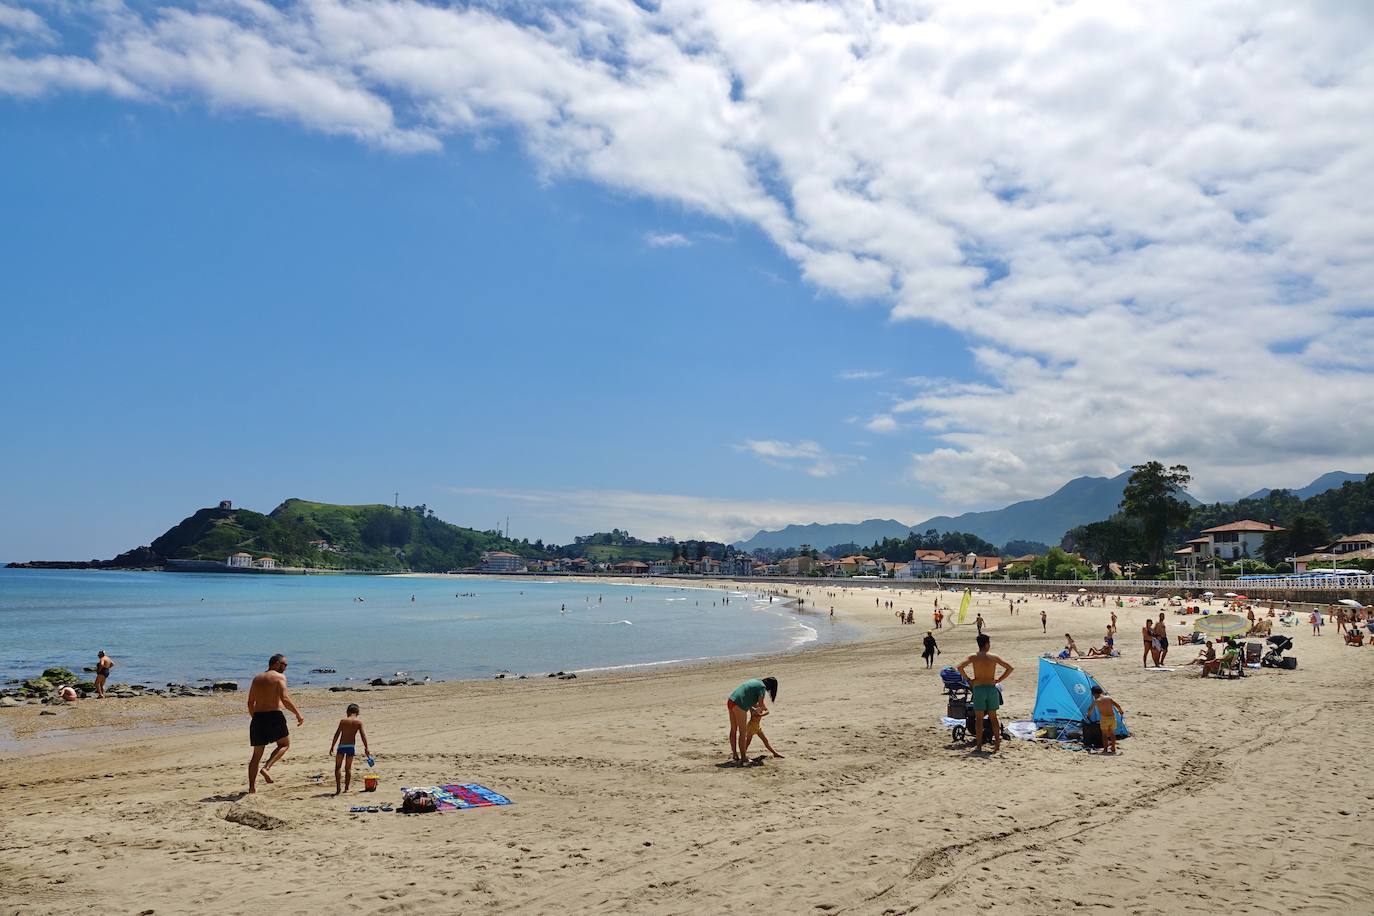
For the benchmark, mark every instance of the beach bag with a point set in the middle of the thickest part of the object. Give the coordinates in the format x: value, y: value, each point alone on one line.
x: 1092, y: 734
x: 418, y: 802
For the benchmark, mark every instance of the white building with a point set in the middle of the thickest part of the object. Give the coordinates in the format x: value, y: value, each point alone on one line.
x: 266, y: 563
x: 499, y: 561
x: 1235, y: 540
x: 240, y: 560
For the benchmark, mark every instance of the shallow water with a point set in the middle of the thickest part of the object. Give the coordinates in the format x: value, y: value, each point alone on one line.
x: 185, y: 628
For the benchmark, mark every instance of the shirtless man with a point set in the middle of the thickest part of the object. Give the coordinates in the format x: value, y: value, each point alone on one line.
x: 1148, y: 632
x: 985, y: 696
x: 266, y: 697
x: 1161, y: 640
x: 103, y: 664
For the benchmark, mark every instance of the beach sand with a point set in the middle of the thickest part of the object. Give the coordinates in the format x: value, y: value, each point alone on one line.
x: 1233, y: 796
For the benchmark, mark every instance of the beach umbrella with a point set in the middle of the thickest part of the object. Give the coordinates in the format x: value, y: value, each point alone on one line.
x: 1176, y: 598
x: 1351, y: 602
x: 1222, y: 625
x: 1082, y: 589
x: 1230, y: 594
x: 1208, y: 594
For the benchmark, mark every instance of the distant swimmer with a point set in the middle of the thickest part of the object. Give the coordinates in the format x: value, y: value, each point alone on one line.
x: 412, y: 599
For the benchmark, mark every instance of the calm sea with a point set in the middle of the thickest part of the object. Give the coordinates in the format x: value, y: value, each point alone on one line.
x: 185, y: 628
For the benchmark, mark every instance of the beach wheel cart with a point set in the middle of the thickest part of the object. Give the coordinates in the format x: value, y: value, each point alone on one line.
x: 959, y: 705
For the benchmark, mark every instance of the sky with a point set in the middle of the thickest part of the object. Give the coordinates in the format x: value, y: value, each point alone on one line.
x: 681, y: 268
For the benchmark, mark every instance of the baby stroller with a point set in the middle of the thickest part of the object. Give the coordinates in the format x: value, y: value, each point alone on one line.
x: 1274, y: 657
x: 960, y: 706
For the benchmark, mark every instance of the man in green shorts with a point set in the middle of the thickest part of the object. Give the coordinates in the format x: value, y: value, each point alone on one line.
x: 986, y: 697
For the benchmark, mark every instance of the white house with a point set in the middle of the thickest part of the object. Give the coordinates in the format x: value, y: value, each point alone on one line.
x: 1352, y: 542
x: 240, y: 560
x: 1235, y: 540
x: 266, y: 563
x: 499, y: 561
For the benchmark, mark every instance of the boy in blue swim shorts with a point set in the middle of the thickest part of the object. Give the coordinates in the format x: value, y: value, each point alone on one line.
x: 349, y: 731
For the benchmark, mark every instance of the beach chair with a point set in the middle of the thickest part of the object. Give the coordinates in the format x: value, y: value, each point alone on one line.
x: 1254, y: 651
x: 1230, y: 665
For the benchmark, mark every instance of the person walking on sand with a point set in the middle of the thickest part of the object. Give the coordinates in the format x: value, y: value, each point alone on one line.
x: 986, y: 697
x: 979, y: 621
x: 1148, y: 631
x: 745, y: 697
x: 345, y: 737
x: 1044, y: 621
x: 266, y: 697
x: 931, y: 649
x: 103, y: 664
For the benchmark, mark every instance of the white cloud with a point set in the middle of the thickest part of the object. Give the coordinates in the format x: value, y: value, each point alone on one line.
x: 650, y: 515
x: 806, y: 455
x: 25, y: 22
x: 861, y: 375
x: 882, y: 423
x: 1131, y: 210
x: 666, y: 240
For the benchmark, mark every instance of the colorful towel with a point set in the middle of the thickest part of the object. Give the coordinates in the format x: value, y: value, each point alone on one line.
x: 462, y: 795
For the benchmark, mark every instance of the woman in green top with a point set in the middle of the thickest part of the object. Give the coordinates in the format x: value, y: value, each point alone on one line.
x: 746, y: 697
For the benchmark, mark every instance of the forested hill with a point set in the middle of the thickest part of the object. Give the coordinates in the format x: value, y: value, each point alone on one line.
x: 375, y: 537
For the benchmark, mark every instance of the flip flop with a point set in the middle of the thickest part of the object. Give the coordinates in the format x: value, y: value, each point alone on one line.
x: 357, y: 809
x: 370, y: 761
x: 371, y: 809
x: 388, y: 809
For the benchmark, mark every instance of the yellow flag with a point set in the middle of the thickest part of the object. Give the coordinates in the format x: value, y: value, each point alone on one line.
x: 963, y: 605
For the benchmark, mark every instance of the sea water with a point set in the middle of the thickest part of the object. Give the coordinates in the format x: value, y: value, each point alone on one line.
x: 191, y: 628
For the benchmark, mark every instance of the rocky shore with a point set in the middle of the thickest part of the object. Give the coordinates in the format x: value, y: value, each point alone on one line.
x: 46, y: 689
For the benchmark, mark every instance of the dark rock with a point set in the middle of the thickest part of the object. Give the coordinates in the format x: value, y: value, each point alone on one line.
x: 10, y: 702
x: 37, y: 685
x: 377, y: 682
x: 47, y: 712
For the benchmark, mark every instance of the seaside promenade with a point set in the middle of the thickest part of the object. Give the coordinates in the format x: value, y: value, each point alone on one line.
x: 1232, y: 796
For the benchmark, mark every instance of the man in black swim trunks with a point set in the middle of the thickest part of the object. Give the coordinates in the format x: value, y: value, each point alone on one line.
x: 266, y: 697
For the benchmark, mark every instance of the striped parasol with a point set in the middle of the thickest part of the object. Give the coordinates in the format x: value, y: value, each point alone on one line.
x: 1222, y: 625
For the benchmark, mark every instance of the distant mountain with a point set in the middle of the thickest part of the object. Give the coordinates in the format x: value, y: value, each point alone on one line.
x: 1328, y: 481
x: 819, y: 536
x: 1078, y: 502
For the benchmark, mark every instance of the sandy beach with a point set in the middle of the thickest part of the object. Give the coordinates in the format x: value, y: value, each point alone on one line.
x: 1232, y: 796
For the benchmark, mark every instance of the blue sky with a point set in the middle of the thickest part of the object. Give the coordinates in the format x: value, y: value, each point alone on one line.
x: 230, y: 307
x: 690, y: 268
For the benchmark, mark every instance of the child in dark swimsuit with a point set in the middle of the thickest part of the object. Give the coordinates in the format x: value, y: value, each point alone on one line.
x: 349, y: 731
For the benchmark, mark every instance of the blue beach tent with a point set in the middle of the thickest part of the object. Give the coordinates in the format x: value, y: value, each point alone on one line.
x: 1063, y: 694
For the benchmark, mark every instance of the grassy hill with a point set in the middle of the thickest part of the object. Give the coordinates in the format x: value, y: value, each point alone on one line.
x: 620, y: 553
x: 376, y: 537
